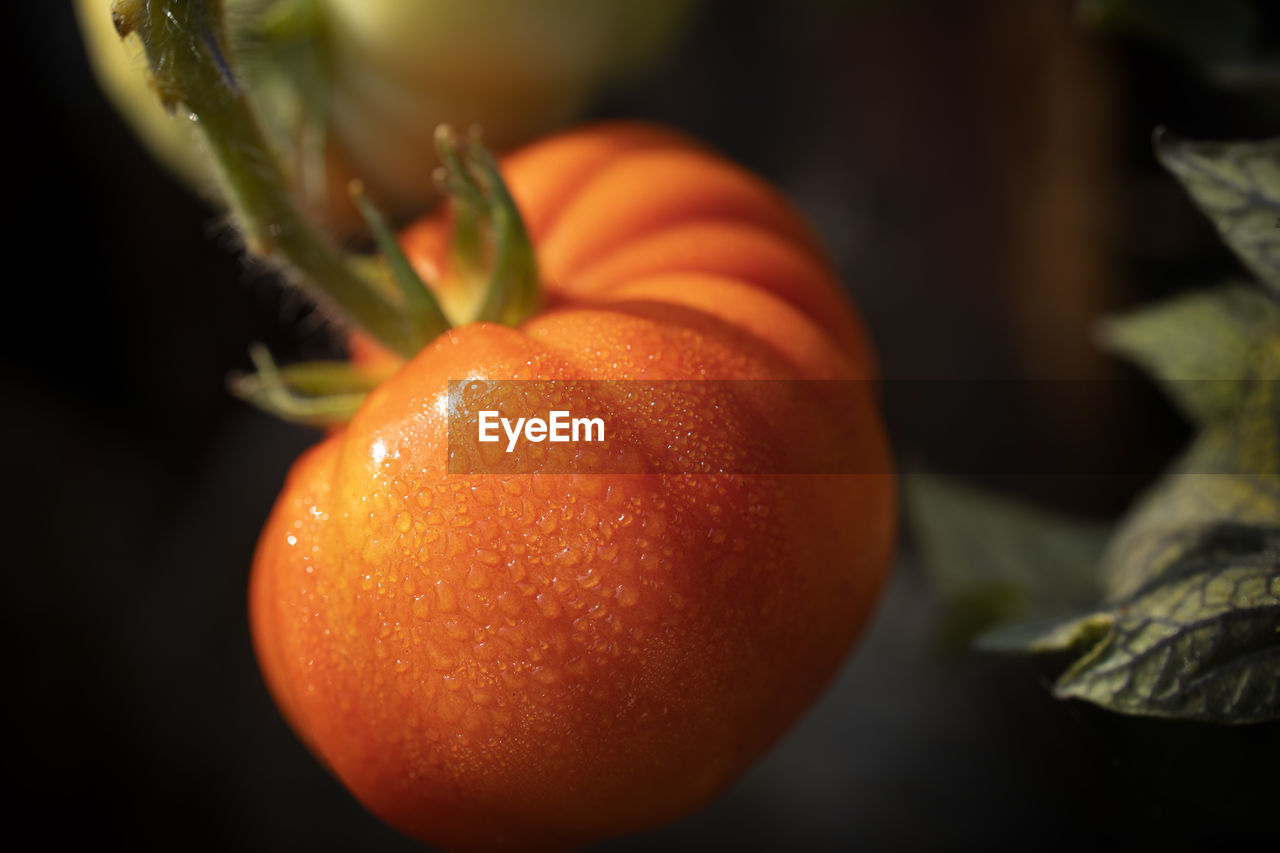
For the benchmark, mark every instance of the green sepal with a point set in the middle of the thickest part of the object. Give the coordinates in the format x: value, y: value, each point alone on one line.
x: 317, y: 393
x: 419, y: 302
x: 484, y: 209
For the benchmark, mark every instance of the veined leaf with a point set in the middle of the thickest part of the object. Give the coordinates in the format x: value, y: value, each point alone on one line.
x: 1237, y: 185
x: 1203, y: 348
x: 1230, y: 475
x: 1190, y: 627
x: 1202, y: 642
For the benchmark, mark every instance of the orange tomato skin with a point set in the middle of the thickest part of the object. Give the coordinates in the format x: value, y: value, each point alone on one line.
x: 541, y: 661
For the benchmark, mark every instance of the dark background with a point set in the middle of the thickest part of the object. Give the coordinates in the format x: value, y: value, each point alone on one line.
x: 982, y: 174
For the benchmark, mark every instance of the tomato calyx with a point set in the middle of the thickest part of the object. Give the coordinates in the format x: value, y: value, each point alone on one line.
x: 314, y: 393
x: 489, y: 233
x: 186, y: 48
x: 421, y: 310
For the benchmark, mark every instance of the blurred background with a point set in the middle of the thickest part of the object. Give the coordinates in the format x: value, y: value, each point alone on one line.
x: 982, y: 174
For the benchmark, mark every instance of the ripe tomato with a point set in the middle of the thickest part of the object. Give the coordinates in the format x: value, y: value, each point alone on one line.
x: 543, y: 660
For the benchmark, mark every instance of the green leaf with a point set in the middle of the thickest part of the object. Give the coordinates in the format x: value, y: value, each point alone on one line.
x: 1056, y: 635
x: 1190, y: 627
x: 1201, y: 642
x: 1220, y: 37
x: 1202, y: 348
x: 995, y: 560
x: 1257, y: 73
x: 1237, y: 185
x: 1230, y: 475
x: 1204, y: 30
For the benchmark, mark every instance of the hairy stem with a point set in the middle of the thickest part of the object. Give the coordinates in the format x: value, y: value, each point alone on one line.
x: 186, y: 49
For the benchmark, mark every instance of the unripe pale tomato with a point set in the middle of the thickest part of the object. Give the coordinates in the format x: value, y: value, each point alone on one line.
x: 355, y: 88
x: 542, y: 660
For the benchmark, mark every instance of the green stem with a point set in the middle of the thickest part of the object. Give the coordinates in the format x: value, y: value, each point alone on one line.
x: 185, y: 47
